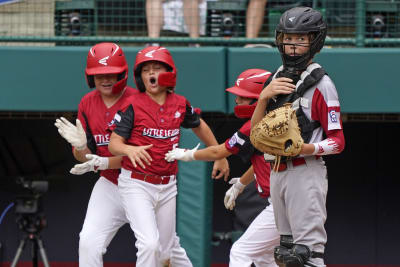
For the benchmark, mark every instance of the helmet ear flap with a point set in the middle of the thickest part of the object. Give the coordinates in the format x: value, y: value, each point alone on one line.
x: 167, y: 79
x: 121, y: 84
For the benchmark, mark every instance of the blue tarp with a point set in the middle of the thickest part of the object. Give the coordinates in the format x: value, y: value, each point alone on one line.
x: 3, y: 2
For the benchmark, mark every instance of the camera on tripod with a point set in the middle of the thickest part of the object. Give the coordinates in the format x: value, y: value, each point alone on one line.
x: 28, y: 206
x: 31, y: 219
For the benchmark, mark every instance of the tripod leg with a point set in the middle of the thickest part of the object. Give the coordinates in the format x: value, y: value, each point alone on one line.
x: 42, y: 252
x: 34, y: 251
x: 19, y: 251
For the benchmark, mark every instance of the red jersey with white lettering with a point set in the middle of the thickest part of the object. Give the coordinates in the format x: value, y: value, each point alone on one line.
x: 239, y: 144
x: 142, y: 121
x: 95, y: 118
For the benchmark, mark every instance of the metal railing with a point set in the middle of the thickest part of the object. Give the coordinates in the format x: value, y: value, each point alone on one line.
x: 219, y: 22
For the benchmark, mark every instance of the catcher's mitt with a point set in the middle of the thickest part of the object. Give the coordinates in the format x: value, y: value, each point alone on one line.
x: 278, y: 133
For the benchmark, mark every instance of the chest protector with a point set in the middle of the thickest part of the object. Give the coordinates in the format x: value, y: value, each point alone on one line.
x: 311, y: 76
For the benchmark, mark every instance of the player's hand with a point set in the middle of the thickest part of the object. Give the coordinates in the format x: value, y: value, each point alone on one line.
x: 281, y: 85
x: 138, y: 155
x: 220, y: 169
x: 75, y: 135
x: 181, y: 154
x: 232, y: 193
x: 93, y: 164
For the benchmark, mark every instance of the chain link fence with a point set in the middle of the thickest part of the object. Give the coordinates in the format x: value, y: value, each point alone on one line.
x: 190, y: 22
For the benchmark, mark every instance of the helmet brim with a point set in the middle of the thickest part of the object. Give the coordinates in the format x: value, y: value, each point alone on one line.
x: 241, y: 92
x: 105, y: 70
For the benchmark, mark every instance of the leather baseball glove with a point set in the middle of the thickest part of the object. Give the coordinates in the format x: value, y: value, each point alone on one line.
x: 278, y: 133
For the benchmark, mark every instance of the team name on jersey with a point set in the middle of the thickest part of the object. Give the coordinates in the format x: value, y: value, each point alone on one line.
x: 102, y: 139
x: 160, y: 133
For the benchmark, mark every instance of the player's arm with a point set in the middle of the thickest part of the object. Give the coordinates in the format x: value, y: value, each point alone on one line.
x: 80, y: 155
x: 326, y: 110
x: 137, y: 154
x: 333, y: 144
x: 212, y: 153
x: 96, y: 163
x: 277, y: 86
x: 259, y: 111
x: 247, y: 177
x: 238, y: 185
x: 122, y: 129
x: 114, y: 162
x: 221, y: 165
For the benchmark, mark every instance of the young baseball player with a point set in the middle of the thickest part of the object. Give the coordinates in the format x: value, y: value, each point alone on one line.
x: 299, y: 187
x: 257, y: 244
x: 107, y: 71
x: 146, y: 128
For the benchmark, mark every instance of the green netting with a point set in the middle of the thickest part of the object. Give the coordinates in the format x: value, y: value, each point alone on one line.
x: 220, y: 22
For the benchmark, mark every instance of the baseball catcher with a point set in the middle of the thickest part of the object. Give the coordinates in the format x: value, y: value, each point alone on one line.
x: 299, y: 184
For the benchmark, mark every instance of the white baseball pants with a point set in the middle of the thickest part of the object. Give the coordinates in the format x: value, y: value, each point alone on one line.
x: 151, y: 211
x: 104, y: 216
x: 257, y: 243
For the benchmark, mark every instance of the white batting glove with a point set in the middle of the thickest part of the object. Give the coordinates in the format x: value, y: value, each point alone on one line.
x: 75, y: 135
x: 181, y: 154
x: 93, y: 164
x: 233, y: 192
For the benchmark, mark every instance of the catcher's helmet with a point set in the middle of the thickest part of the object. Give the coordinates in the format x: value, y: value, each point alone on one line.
x: 159, y: 54
x: 250, y: 83
x: 301, y: 20
x: 107, y: 58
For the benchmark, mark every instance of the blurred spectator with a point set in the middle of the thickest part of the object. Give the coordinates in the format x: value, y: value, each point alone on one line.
x: 169, y: 13
x: 192, y: 17
x: 255, y: 17
x: 155, y: 17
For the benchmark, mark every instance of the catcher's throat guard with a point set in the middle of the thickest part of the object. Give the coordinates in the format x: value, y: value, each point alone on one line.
x: 278, y: 134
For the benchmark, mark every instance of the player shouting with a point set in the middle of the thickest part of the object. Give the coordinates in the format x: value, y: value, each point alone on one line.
x: 146, y: 128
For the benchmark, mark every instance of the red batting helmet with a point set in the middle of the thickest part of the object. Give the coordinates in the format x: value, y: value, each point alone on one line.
x: 155, y: 53
x: 107, y: 58
x: 250, y: 83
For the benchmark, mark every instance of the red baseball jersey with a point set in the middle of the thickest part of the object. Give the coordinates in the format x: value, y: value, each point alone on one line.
x: 142, y: 121
x: 95, y: 118
x: 239, y: 144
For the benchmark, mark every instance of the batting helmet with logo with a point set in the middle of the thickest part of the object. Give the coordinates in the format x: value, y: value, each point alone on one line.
x: 159, y: 54
x: 250, y: 83
x: 107, y: 58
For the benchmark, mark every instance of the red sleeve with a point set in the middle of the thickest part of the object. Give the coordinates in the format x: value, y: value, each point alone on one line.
x: 327, y: 112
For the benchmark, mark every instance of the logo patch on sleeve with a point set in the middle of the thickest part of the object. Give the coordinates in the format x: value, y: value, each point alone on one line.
x: 235, y: 139
x: 332, y: 116
x: 232, y: 141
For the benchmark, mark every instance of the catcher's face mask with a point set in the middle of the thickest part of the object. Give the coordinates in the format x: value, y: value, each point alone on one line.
x: 295, y: 44
x: 300, y: 20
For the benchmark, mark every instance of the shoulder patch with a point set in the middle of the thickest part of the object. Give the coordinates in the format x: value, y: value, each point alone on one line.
x: 235, y: 139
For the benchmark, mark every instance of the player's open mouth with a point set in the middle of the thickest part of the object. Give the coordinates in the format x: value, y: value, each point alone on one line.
x: 153, y: 80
